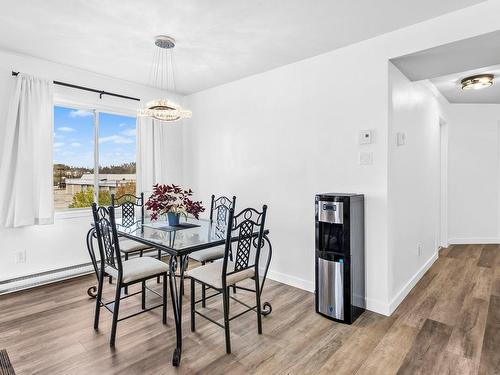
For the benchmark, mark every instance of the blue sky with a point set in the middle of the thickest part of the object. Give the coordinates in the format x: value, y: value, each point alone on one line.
x: 74, y: 138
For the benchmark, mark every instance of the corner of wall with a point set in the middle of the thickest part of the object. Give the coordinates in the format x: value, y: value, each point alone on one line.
x: 406, y: 289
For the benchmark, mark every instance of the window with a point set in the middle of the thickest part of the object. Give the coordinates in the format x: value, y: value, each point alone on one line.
x: 75, y: 135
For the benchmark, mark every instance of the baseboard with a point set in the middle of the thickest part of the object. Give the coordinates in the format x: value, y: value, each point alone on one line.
x: 474, y: 241
x: 43, y: 278
x: 400, y: 296
x: 378, y: 307
x: 48, y: 277
x: 372, y: 305
x: 291, y: 280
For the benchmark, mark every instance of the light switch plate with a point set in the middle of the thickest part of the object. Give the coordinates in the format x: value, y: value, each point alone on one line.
x: 365, y: 158
x: 365, y: 137
x: 401, y: 139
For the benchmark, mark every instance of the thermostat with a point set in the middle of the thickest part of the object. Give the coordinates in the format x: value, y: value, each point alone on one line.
x: 365, y: 137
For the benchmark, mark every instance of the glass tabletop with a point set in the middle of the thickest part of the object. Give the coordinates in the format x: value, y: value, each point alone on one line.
x: 189, y: 236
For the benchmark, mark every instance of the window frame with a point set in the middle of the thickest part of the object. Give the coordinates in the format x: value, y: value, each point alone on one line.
x: 71, y: 213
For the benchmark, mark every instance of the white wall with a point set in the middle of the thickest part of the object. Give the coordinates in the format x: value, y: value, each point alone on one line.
x: 281, y: 136
x: 414, y: 180
x: 63, y: 243
x: 473, y: 173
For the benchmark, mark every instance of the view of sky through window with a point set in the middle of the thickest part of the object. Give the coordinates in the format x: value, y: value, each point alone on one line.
x: 74, y: 158
x: 74, y: 138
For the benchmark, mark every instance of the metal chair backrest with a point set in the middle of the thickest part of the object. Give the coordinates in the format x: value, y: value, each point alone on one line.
x: 221, y: 207
x: 107, y: 237
x: 127, y: 203
x: 249, y: 227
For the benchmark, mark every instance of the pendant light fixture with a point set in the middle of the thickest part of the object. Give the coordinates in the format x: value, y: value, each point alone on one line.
x: 162, y: 76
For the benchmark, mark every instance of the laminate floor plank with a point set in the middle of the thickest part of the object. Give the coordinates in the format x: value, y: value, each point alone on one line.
x: 488, y: 256
x: 453, y: 364
x: 482, y: 288
x: 388, y: 355
x: 427, y: 350
x: 467, y: 336
x: 453, y: 292
x: 495, y: 285
x: 465, y: 252
x: 490, y: 356
x: 347, y: 359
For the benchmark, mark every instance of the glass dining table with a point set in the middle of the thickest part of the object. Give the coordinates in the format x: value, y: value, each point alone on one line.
x: 178, y: 242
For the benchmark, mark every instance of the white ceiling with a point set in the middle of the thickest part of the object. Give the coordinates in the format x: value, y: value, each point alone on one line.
x: 218, y: 41
x: 451, y: 88
x: 460, y: 56
x: 446, y: 65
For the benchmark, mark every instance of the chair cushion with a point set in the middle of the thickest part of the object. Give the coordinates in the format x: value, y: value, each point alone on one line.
x: 208, y: 255
x: 139, y: 268
x: 211, y: 274
x: 130, y: 246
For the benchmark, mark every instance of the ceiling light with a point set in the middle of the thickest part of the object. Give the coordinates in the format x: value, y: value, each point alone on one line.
x: 477, y: 82
x: 162, y: 76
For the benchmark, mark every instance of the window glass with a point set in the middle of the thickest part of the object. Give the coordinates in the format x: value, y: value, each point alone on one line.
x: 73, y: 158
x: 116, y: 156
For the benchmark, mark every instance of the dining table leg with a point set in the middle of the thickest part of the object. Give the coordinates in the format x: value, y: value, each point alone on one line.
x: 177, y: 266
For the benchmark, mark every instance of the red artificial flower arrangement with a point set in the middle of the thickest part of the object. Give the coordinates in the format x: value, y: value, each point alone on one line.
x: 172, y: 199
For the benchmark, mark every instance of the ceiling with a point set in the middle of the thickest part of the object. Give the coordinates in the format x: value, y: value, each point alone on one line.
x: 446, y: 65
x: 217, y: 41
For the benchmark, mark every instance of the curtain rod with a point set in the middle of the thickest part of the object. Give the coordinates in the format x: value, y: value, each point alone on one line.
x: 100, y: 92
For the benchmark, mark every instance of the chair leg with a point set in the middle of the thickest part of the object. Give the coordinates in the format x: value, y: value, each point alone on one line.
x: 143, y: 295
x: 225, y: 298
x: 110, y: 279
x: 125, y: 290
x: 234, y: 288
x: 165, y: 298
x: 141, y: 253
x: 257, y: 300
x: 159, y: 258
x: 193, y: 327
x: 203, y: 291
x: 98, y: 300
x: 115, y: 313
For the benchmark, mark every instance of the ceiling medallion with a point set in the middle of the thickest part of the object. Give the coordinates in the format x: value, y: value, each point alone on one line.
x: 477, y: 82
x: 162, y: 76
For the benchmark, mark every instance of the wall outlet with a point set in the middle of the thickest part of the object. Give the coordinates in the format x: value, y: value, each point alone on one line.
x: 419, y: 249
x: 21, y: 256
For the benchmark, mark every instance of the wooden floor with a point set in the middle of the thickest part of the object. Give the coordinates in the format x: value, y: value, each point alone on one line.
x: 449, y: 324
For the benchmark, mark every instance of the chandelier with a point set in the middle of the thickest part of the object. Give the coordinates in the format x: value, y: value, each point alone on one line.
x: 162, y: 76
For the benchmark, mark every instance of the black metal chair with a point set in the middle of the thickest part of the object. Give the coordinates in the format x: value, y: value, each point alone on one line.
x: 128, y: 272
x: 220, y: 207
x: 127, y: 204
x: 221, y: 275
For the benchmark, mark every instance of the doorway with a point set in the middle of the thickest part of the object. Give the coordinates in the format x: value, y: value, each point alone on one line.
x: 443, y: 184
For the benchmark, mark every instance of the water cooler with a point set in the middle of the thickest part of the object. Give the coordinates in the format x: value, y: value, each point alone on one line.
x: 340, y: 256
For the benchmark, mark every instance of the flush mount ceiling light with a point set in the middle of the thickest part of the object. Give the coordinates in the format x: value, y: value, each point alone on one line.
x: 162, y: 76
x: 477, y: 82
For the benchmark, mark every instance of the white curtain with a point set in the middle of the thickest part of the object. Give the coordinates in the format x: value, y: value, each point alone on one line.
x: 26, y: 196
x: 151, y: 154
